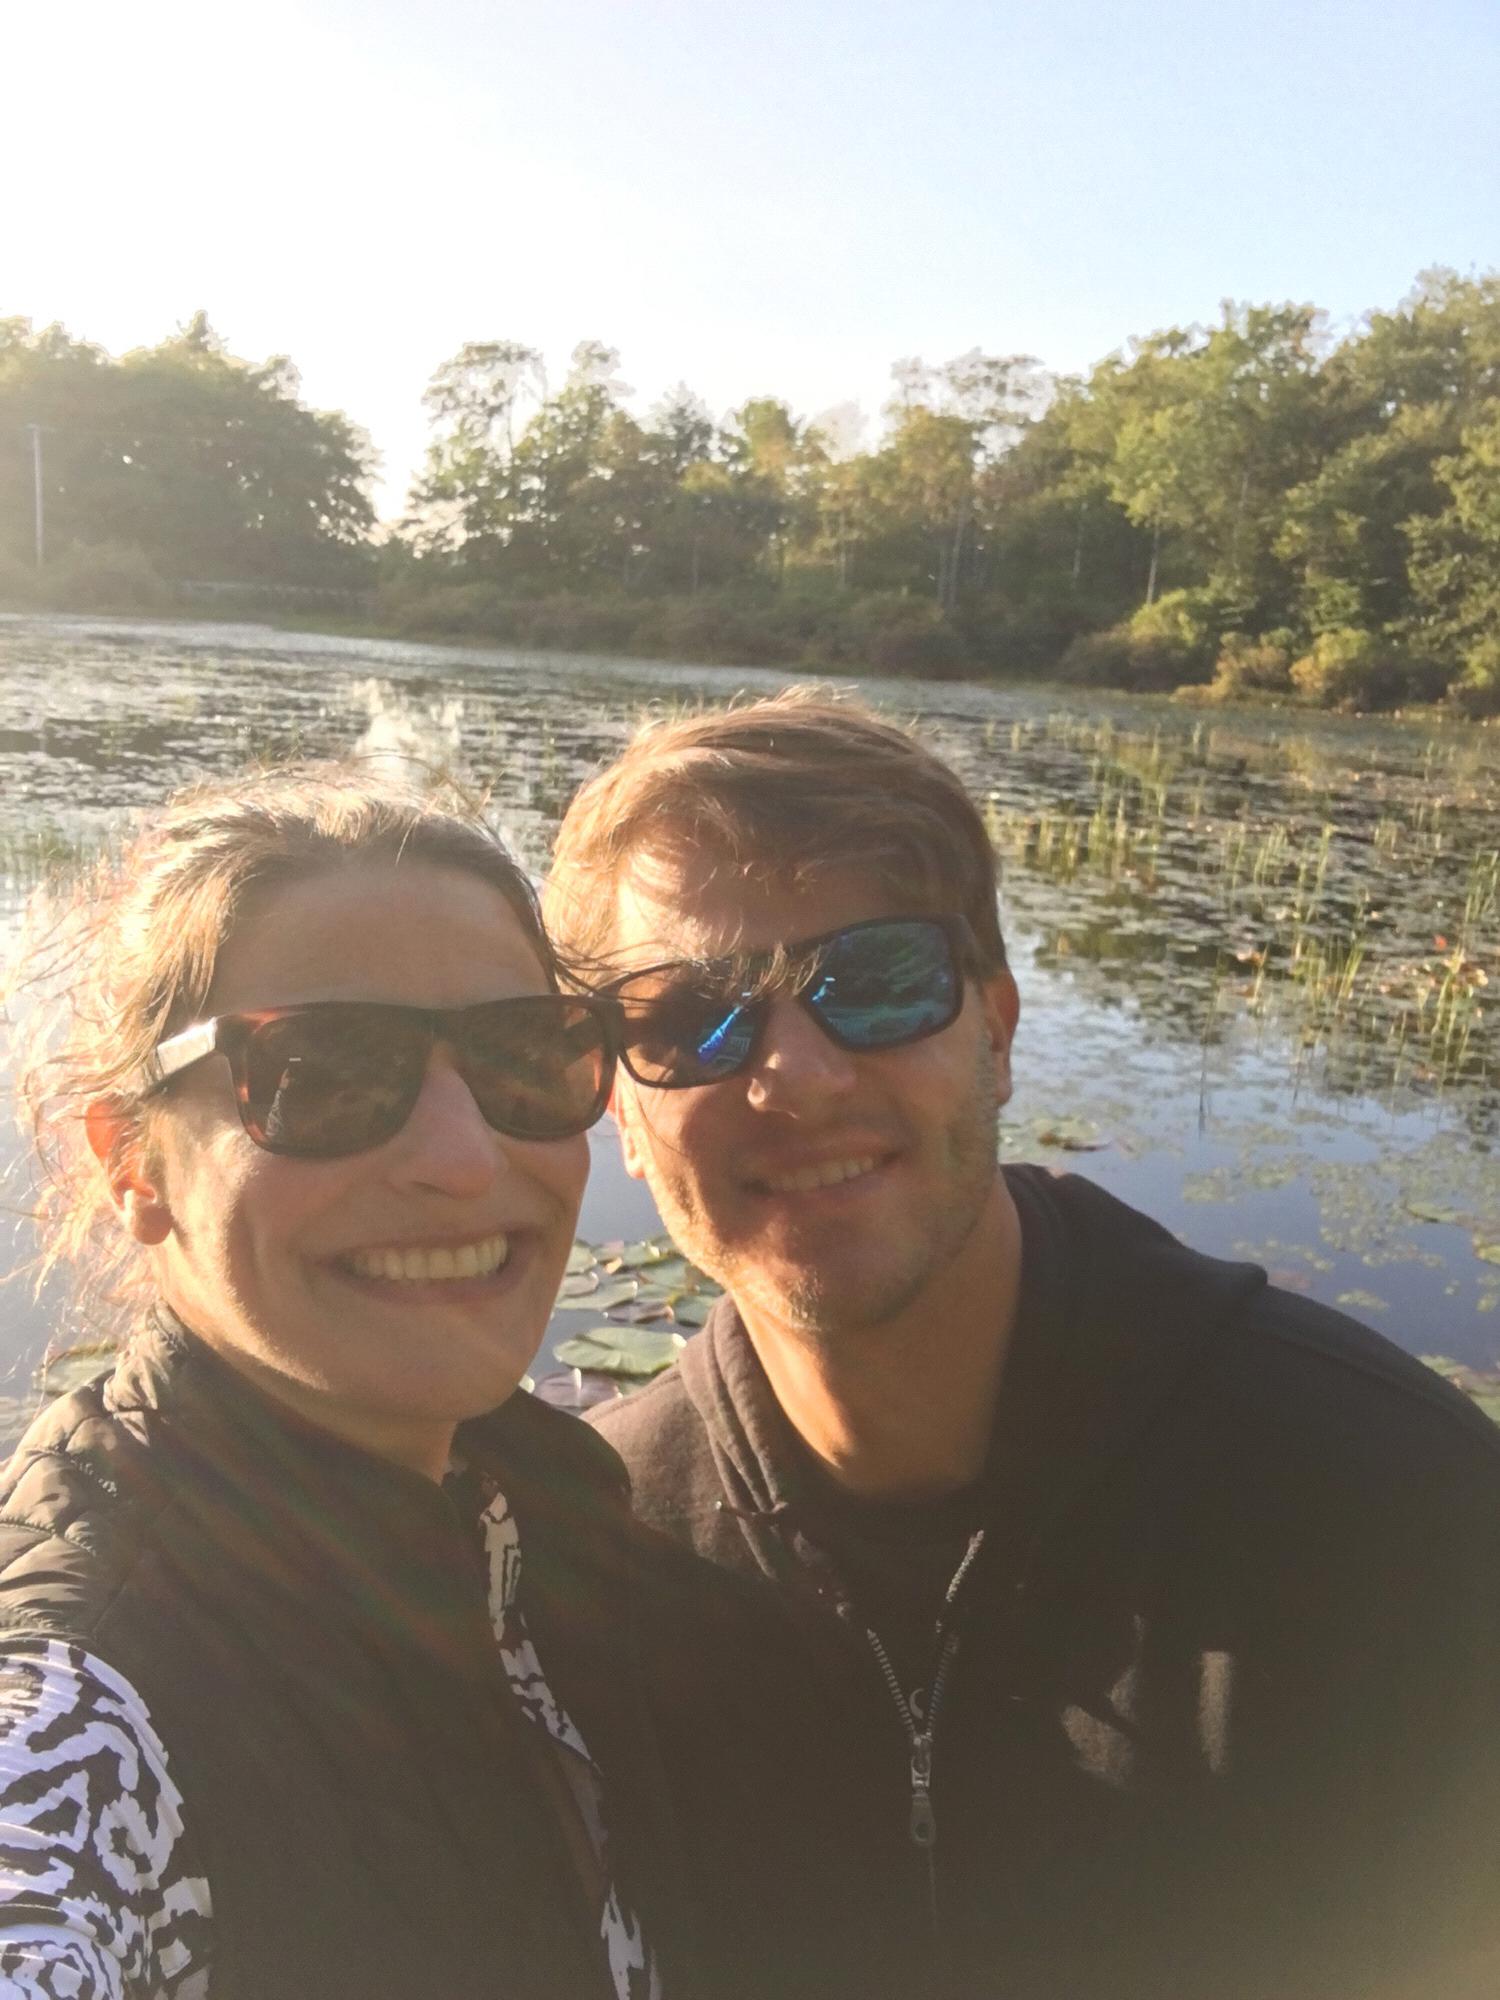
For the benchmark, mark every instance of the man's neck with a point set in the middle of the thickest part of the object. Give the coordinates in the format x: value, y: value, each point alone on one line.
x: 904, y: 1409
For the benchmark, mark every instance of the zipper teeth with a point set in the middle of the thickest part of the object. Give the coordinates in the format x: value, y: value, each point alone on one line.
x: 971, y: 1555
x: 883, y: 1659
x: 948, y: 1647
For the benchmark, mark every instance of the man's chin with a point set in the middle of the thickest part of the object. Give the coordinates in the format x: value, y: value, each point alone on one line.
x: 826, y: 1305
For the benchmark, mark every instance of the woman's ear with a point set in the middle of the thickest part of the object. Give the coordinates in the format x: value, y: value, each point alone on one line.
x: 114, y: 1137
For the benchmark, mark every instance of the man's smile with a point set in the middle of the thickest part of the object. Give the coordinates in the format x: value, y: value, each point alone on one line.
x: 818, y: 1175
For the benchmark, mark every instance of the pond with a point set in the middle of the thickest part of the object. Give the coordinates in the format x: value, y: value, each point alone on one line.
x: 1259, y: 953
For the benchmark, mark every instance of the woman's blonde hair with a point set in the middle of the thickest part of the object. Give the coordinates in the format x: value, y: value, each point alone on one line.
x: 123, y: 952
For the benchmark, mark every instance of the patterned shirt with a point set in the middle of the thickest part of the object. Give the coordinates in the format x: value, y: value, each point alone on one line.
x: 100, y: 1893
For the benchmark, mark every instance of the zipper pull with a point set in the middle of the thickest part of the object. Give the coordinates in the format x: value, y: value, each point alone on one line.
x: 923, y: 1819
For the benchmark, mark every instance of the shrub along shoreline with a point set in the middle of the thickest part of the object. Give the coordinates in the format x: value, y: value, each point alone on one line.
x: 1168, y: 652
x: 1254, y: 508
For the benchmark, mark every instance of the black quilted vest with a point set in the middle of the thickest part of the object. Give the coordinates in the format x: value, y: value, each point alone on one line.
x: 308, y: 1628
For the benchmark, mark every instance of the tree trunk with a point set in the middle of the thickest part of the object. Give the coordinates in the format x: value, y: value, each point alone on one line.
x: 1155, y: 552
x: 1078, y: 545
x: 1239, y: 515
x: 948, y: 591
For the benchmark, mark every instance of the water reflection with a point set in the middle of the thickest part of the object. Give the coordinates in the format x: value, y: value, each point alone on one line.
x: 1255, y: 953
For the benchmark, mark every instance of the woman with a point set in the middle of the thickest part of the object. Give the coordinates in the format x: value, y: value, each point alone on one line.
x: 312, y: 1654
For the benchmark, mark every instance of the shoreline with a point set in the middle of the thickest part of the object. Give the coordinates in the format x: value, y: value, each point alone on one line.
x: 334, y: 625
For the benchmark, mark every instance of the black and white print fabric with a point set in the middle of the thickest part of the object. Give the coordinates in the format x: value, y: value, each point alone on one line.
x: 100, y: 1896
x: 630, y: 1960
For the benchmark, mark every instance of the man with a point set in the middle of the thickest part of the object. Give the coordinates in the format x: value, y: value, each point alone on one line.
x: 1148, y: 1617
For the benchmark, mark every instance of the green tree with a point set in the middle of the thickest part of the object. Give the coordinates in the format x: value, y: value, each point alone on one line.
x: 1206, y: 432
x: 1397, y: 398
x: 1456, y: 566
x: 213, y: 467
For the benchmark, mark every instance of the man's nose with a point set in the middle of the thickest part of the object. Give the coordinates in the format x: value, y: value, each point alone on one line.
x: 797, y: 1067
x: 447, y: 1143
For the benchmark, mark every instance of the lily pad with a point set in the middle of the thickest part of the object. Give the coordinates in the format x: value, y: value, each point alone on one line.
x: 74, y: 1366
x: 1073, y: 1135
x: 579, y: 1285
x: 601, y: 1298
x: 581, y: 1258
x: 692, y: 1309
x: 1490, y: 1252
x: 571, y: 1389
x: 1364, y: 1301
x: 1434, y: 1211
x: 667, y: 1276
x: 1212, y: 1186
x: 620, y: 1350
x: 638, y: 1256
x: 1482, y: 1385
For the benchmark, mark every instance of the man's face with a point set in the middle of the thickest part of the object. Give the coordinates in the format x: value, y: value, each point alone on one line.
x: 742, y: 1170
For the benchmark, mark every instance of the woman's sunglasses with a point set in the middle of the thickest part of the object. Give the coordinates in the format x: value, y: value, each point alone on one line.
x: 342, y: 1076
x: 873, y: 985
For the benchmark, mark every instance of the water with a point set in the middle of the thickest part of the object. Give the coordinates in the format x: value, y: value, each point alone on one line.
x: 1255, y: 952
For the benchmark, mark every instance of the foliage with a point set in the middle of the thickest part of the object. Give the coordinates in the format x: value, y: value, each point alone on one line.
x: 1349, y: 667
x: 1247, y: 666
x: 207, y: 467
x: 1164, y: 645
x: 1203, y: 508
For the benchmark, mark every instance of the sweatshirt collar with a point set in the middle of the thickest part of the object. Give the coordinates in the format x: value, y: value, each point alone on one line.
x: 1115, y: 1315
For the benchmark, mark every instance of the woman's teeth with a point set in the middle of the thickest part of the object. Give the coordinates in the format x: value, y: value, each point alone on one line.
x: 829, y: 1175
x: 469, y: 1260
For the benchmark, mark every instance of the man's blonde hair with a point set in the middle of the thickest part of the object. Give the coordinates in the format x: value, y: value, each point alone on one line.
x: 782, y: 788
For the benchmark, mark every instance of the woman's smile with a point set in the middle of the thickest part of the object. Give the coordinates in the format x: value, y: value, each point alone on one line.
x: 417, y: 1262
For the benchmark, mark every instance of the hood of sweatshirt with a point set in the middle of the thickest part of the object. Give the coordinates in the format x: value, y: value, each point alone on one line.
x: 1115, y: 1316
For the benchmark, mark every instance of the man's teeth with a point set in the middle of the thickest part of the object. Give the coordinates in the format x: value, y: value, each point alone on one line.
x: 829, y: 1175
x: 469, y: 1260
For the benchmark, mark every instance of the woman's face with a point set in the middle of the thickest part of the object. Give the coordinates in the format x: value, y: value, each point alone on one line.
x: 259, y: 1253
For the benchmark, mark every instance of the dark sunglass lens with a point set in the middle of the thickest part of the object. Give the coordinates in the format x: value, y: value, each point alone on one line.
x: 681, y: 1032
x: 879, y: 985
x: 539, y: 1068
x: 333, y: 1079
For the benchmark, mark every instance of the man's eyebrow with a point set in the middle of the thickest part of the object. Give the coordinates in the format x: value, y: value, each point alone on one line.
x: 752, y: 973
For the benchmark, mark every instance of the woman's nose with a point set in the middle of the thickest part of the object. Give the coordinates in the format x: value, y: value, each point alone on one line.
x: 796, y: 1066
x: 447, y: 1143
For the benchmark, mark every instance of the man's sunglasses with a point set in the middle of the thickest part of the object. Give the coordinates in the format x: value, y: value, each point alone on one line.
x: 342, y: 1076
x: 874, y: 985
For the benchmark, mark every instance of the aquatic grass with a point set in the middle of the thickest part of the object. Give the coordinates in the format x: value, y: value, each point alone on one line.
x: 1364, y: 929
x: 28, y: 854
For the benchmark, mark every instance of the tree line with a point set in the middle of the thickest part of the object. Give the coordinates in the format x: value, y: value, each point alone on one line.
x: 1255, y: 506
x: 174, y: 463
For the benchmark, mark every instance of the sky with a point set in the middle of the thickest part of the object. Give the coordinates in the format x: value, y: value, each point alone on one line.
x: 772, y: 199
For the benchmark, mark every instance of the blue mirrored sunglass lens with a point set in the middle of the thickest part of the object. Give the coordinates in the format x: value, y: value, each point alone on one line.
x: 724, y: 1043
x: 685, y: 1034
x: 885, y: 984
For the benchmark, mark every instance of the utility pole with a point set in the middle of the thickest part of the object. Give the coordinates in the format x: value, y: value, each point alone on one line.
x: 36, y: 489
